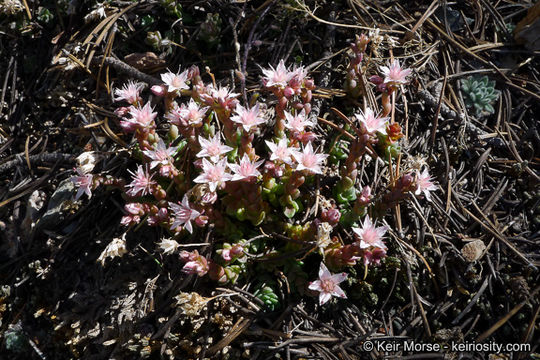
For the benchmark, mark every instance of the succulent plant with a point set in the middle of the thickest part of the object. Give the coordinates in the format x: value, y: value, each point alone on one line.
x: 210, y: 29
x: 213, y: 170
x: 268, y: 296
x: 15, y: 339
x: 480, y: 94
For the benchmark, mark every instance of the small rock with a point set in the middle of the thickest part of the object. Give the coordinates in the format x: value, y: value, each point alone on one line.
x: 473, y: 251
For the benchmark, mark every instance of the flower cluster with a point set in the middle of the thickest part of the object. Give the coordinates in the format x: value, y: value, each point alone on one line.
x: 293, y: 89
x: 219, y: 164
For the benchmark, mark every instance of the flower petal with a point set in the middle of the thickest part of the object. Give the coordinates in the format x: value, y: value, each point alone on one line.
x: 339, y: 292
x: 324, y: 297
x: 338, y: 278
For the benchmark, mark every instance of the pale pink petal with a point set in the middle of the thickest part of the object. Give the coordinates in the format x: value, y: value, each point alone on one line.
x: 315, y: 285
x: 339, y: 292
x: 337, y: 278
x: 324, y: 297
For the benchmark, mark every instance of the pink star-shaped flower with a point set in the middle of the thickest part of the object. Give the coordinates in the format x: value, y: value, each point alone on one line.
x: 280, y: 151
x: 161, y: 155
x: 142, y: 182
x: 328, y: 285
x: 212, y: 148
x: 175, y: 82
x: 83, y: 182
x: 129, y: 92
x: 369, y: 236
x: 298, y: 74
x: 213, y: 174
x: 371, y: 122
x: 278, y: 76
x: 308, y: 160
x: 248, y: 118
x: 297, y: 122
x: 221, y: 96
x: 142, y: 118
x: 395, y: 74
x: 183, y: 214
x: 193, y: 114
x: 246, y: 169
x: 424, y: 184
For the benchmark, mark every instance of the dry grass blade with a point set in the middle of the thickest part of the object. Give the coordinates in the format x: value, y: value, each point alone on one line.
x: 458, y: 45
x: 111, y: 134
x: 27, y: 153
x: 304, y: 8
x: 430, y: 10
x: 27, y: 9
x: 107, y: 24
x: 337, y: 127
x: 106, y: 53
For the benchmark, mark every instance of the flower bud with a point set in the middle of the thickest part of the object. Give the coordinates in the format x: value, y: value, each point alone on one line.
x: 199, y: 266
x: 160, y: 194
x: 166, y: 170
x: 237, y: 250
x: 309, y: 84
x: 365, y: 196
x: 162, y: 213
x: 153, y: 209
x: 298, y: 106
x: 193, y: 72
x: 130, y: 220
x: 121, y: 111
x: 288, y: 92
x: 363, y: 40
x: 173, y: 132
x: 201, y: 220
x: 159, y: 90
x: 394, y: 131
x: 306, y: 137
x: 406, y: 182
x: 226, y: 254
x: 373, y: 256
x: 134, y: 209
x: 307, y: 107
x: 184, y: 255
x: 376, y: 79
x: 209, y: 198
x: 331, y: 216
x: 283, y: 102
